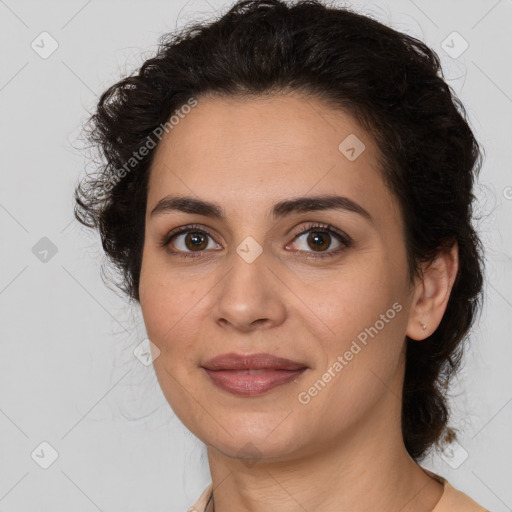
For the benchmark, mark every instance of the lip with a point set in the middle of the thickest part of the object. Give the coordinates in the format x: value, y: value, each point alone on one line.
x: 253, y: 374
x: 260, y: 361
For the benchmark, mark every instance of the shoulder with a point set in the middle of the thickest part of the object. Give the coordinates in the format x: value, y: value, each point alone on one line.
x: 200, y: 504
x: 453, y: 500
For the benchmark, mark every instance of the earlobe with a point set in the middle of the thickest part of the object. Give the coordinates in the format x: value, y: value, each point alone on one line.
x: 432, y: 293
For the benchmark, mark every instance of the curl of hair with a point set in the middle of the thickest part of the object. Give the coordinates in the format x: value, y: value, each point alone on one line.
x: 390, y: 82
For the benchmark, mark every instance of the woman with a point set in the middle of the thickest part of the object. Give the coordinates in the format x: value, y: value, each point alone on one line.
x: 287, y: 193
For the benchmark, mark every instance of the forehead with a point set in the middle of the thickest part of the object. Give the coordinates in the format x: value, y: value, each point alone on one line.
x: 275, y: 128
x: 255, y: 151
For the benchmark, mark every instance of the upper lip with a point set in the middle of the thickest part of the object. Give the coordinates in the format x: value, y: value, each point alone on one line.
x: 261, y: 361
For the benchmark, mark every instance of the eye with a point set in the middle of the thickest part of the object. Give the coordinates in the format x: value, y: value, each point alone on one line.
x: 188, y: 240
x: 320, y: 238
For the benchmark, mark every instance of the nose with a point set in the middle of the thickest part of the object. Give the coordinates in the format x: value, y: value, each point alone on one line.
x: 250, y: 295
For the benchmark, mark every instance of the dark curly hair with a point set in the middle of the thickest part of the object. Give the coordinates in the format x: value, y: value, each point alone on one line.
x: 390, y: 82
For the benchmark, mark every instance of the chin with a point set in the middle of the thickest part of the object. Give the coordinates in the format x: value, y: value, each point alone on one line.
x: 251, y: 443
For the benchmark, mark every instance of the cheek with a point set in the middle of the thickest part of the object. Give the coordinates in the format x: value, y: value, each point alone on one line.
x: 170, y: 306
x: 167, y: 314
x: 160, y: 301
x: 366, y: 316
x: 359, y: 376
x: 352, y: 301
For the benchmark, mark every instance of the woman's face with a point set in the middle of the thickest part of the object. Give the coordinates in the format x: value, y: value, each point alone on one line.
x: 261, y: 278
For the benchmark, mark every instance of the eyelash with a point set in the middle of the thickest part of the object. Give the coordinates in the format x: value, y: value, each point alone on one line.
x: 343, y: 238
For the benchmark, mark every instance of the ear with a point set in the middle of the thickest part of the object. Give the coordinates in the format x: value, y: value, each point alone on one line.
x: 432, y: 292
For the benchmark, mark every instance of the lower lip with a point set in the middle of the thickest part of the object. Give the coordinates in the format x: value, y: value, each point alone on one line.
x: 247, y: 384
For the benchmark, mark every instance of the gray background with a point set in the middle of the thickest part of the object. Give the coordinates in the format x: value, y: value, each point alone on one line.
x: 68, y: 375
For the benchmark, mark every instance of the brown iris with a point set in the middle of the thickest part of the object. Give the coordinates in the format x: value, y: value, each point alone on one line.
x: 313, y: 238
x: 198, y: 240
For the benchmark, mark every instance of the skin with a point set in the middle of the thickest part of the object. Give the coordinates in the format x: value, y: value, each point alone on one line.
x: 342, y: 451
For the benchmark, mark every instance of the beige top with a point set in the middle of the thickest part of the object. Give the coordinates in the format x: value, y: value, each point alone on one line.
x: 452, y: 500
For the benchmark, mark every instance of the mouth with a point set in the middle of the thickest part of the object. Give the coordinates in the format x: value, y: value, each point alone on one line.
x: 249, y: 375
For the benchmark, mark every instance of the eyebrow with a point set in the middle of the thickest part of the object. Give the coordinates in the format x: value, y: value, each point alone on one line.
x: 279, y: 210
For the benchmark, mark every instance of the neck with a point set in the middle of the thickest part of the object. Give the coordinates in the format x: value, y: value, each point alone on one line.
x: 367, y: 469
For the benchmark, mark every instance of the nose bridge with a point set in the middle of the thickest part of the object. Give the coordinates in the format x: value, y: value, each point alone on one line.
x: 249, y: 250
x: 248, y: 292
x: 248, y: 264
